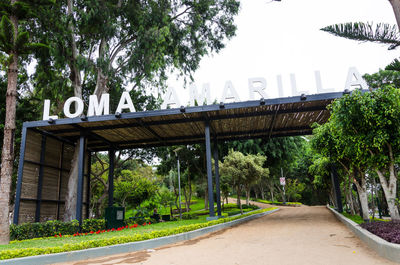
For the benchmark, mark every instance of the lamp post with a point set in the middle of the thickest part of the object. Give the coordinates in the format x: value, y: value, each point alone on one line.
x: 179, y: 181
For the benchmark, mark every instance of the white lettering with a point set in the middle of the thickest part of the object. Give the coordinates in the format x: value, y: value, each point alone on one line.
x: 293, y: 82
x: 125, y: 102
x: 202, y: 98
x: 358, y: 82
x: 96, y: 108
x: 171, y: 98
x: 46, y: 111
x: 257, y: 85
x: 229, y: 93
x: 318, y: 82
x: 280, y: 86
x: 78, y: 107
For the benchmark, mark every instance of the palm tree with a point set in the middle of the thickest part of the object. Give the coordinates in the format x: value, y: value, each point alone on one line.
x: 380, y: 33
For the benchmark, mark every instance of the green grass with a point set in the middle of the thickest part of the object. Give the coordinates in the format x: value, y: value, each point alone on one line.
x: 358, y: 219
x: 196, y: 206
x: 52, y: 241
x: 57, y: 245
x: 277, y: 202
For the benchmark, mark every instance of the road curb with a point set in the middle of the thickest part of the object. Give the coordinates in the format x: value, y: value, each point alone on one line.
x: 128, y: 247
x: 385, y: 249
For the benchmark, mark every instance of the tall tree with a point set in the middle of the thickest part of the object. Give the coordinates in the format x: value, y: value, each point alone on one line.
x: 13, y: 44
x: 109, y: 45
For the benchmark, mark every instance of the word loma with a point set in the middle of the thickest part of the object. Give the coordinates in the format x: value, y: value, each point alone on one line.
x: 256, y: 86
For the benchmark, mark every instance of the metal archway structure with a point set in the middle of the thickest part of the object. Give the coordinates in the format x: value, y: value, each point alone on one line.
x: 47, y: 146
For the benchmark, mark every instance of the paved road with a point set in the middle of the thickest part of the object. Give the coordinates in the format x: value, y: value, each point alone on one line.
x: 293, y: 235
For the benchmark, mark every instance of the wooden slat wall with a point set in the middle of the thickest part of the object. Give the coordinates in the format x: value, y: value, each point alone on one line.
x: 55, y: 181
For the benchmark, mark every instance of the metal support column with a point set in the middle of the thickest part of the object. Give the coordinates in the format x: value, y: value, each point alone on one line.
x: 336, y: 187
x: 40, y: 179
x: 19, y: 180
x: 111, y: 154
x: 216, y: 169
x: 81, y: 173
x: 89, y: 167
x: 209, y: 172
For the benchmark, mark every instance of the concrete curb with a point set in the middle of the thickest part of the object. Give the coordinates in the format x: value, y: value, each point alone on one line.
x: 128, y: 247
x: 385, y: 249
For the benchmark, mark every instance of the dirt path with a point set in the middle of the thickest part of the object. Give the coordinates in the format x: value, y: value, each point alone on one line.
x: 293, y: 235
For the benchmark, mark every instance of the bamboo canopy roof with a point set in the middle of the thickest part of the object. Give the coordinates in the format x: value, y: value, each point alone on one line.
x: 290, y: 116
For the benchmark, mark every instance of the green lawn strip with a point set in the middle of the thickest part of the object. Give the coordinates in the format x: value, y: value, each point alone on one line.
x: 358, y: 219
x: 56, y: 245
x: 197, y: 205
x: 280, y: 203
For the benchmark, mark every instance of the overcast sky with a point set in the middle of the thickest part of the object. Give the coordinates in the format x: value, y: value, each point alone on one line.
x: 280, y: 38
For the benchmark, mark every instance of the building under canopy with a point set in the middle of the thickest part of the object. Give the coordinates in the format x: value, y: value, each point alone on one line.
x: 47, y: 146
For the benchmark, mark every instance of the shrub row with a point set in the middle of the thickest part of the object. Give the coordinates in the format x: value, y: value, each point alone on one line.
x: 279, y: 203
x: 24, y: 252
x: 50, y: 228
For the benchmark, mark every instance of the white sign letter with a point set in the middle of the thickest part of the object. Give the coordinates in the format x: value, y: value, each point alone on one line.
x: 318, y: 82
x: 294, y: 87
x: 46, y: 111
x: 171, y: 98
x: 359, y: 82
x: 280, y: 86
x: 199, y: 98
x: 78, y: 106
x: 229, y: 93
x: 96, y: 108
x: 257, y: 85
x: 125, y: 102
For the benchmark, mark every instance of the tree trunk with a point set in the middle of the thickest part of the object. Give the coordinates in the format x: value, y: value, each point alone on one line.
x: 75, y: 76
x: 7, y: 157
x: 389, y: 188
x: 363, y: 196
x: 247, y: 195
x: 238, y: 200
x: 351, y: 202
x: 71, y: 195
x: 262, y: 192
x: 396, y: 9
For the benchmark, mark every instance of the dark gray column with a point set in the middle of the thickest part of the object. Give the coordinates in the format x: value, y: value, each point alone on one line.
x: 216, y: 169
x: 209, y: 171
x: 111, y: 155
x: 40, y: 179
x: 19, y: 180
x: 81, y: 173
x: 336, y: 187
x: 89, y: 168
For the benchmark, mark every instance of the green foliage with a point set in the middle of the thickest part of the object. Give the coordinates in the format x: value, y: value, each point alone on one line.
x: 23, y: 252
x: 294, y: 188
x: 279, y: 203
x: 381, y: 33
x: 133, y: 189
x: 46, y: 229
x: 93, y: 225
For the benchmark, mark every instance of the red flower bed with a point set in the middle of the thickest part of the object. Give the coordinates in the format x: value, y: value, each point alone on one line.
x: 105, y: 231
x: 390, y: 231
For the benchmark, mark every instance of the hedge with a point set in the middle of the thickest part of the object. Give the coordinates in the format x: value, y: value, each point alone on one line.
x: 17, y: 253
x: 50, y: 228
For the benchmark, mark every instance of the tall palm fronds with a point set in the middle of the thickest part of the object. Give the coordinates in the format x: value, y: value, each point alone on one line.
x: 381, y: 33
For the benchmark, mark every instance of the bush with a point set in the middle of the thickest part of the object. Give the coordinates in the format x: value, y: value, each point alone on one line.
x: 49, y: 228
x: 23, y: 252
x: 390, y: 231
x: 93, y: 225
x: 188, y: 216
